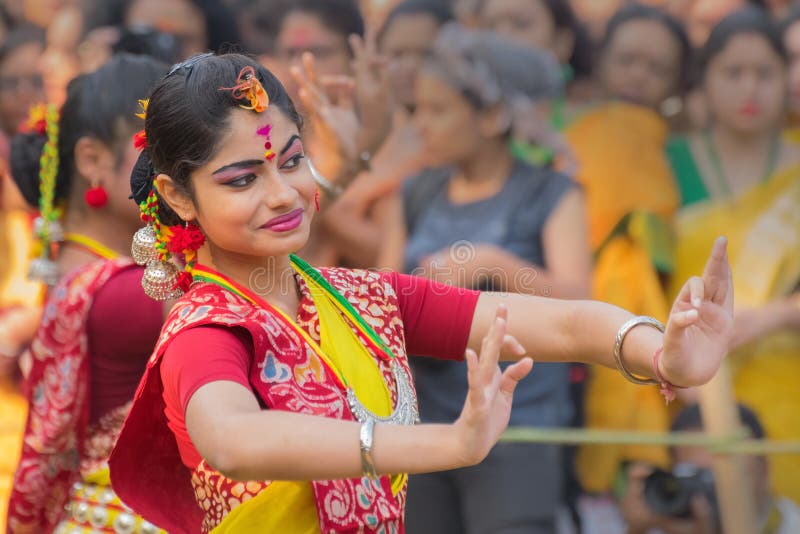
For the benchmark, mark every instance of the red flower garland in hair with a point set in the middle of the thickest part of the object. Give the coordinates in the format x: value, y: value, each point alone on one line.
x: 140, y: 140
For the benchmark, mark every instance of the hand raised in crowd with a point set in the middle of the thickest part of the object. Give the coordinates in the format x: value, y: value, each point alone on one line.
x: 487, y: 408
x: 351, y: 115
x: 700, y: 324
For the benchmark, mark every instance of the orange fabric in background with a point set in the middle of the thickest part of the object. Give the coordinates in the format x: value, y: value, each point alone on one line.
x: 622, y: 166
x: 623, y: 169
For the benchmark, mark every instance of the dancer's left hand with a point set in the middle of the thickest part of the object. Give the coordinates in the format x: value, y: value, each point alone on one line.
x: 700, y: 324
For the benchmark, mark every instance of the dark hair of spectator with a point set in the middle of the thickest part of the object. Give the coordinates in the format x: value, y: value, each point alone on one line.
x: 436, y: 9
x: 19, y: 37
x: 339, y: 16
x: 748, y: 20
x: 690, y: 419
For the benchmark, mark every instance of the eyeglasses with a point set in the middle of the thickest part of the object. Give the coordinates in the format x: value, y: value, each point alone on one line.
x: 10, y: 84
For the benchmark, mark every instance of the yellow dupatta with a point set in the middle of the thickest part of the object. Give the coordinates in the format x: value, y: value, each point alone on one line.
x: 631, y: 198
x: 763, y: 230
x: 289, y: 506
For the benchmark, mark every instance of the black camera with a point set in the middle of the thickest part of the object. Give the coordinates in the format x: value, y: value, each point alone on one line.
x: 147, y: 41
x: 671, y: 494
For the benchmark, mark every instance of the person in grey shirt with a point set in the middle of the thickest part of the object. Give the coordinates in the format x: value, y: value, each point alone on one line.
x: 481, y: 219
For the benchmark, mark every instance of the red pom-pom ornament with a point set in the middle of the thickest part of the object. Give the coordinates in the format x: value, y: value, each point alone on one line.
x: 184, y: 281
x: 96, y: 197
x: 185, y: 238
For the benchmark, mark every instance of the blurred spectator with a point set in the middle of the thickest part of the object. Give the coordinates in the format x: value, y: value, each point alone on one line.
x: 551, y: 25
x: 631, y: 200
x: 479, y: 218
x: 60, y: 62
x: 741, y: 178
x: 791, y: 40
x: 703, y: 15
x: 199, y: 25
x: 321, y: 27
x: 406, y: 39
x: 692, y: 466
x: 354, y: 222
x: 21, y: 84
x: 258, y: 22
x: 41, y: 12
x: 645, y: 57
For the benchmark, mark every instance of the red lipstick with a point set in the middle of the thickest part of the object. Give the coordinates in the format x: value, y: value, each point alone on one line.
x: 286, y: 222
x: 750, y: 109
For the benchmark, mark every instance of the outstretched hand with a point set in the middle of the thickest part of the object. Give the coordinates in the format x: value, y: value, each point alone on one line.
x: 700, y: 324
x: 487, y: 408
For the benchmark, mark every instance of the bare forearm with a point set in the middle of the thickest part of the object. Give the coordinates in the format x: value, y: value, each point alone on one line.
x: 752, y: 324
x: 555, y: 330
x: 289, y: 446
x: 520, y: 276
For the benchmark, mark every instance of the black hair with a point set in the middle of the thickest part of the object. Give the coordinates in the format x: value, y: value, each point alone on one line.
x: 437, y: 9
x: 188, y: 116
x: 221, y: 28
x: 747, y: 20
x: 339, y: 16
x: 634, y: 12
x: 19, y: 37
x: 690, y: 419
x: 101, y: 105
x: 564, y: 18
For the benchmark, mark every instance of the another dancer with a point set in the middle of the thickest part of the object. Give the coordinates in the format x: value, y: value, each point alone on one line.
x: 98, y: 329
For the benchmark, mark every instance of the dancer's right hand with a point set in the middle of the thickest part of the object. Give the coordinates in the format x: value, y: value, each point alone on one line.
x: 487, y: 408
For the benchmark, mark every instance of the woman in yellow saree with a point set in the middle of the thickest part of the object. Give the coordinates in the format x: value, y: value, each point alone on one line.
x: 743, y: 177
x: 631, y: 199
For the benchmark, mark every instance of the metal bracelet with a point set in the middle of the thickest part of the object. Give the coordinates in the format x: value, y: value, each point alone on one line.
x: 332, y: 190
x: 623, y: 331
x: 367, y: 464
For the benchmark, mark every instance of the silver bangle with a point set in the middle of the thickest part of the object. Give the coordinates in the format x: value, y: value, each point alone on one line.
x: 623, y: 331
x: 367, y: 464
x: 327, y: 187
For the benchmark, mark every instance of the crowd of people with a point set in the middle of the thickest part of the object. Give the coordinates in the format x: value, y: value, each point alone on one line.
x: 243, y: 241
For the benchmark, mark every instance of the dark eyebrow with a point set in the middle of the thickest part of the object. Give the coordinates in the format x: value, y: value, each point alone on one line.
x: 289, y: 143
x: 240, y: 165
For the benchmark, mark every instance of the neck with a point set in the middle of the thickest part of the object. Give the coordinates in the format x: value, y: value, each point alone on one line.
x: 731, y: 141
x: 107, y: 229
x: 490, y: 164
x: 270, y: 278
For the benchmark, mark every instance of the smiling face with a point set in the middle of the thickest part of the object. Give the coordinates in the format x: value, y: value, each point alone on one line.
x: 248, y: 206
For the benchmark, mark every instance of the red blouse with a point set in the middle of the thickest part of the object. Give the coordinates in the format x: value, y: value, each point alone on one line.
x: 436, y: 318
x: 119, y: 353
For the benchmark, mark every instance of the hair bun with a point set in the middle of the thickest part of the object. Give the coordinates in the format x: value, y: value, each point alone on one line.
x: 142, y: 178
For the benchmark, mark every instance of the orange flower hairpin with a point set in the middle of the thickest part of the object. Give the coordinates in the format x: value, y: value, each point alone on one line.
x: 248, y: 87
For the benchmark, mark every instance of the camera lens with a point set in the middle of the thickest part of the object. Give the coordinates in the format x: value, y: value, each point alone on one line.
x: 668, y: 495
